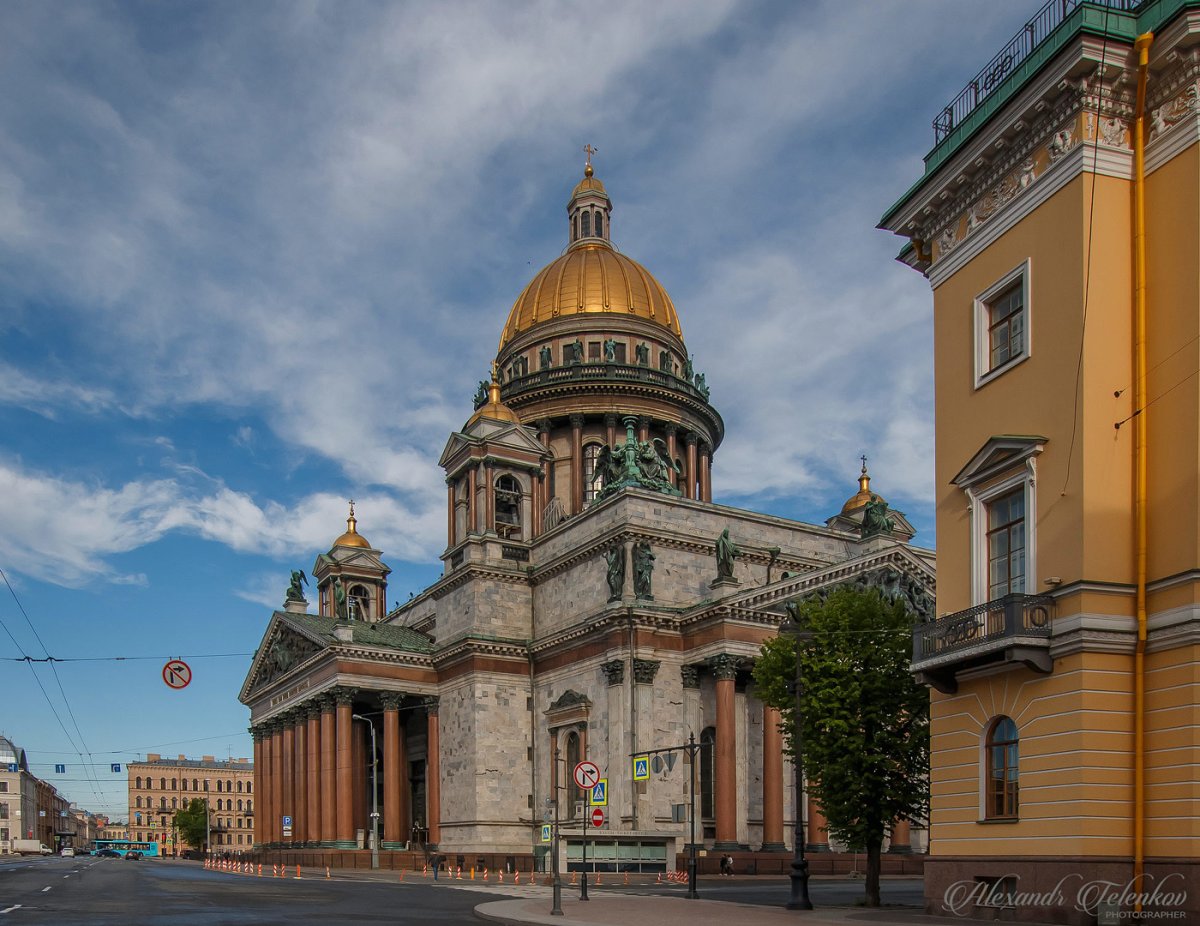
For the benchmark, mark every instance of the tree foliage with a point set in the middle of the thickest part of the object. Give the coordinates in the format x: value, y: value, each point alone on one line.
x: 866, y: 721
x: 191, y: 822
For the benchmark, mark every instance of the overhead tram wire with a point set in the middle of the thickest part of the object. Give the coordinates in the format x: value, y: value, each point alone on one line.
x: 49, y: 658
x: 54, y: 710
x: 62, y: 691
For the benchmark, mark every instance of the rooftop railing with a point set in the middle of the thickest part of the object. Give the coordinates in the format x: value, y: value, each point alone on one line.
x: 1019, y: 47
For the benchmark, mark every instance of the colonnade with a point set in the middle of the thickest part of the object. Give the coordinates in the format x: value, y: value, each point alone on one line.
x: 312, y: 769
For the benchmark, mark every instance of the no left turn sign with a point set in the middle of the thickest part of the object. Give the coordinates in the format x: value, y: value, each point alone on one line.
x: 177, y: 674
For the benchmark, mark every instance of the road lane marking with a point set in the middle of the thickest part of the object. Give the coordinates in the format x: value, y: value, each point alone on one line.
x: 46, y: 888
x: 15, y: 906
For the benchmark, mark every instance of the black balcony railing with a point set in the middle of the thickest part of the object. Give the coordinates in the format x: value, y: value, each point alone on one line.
x: 1015, y: 628
x: 1019, y: 47
x: 600, y: 370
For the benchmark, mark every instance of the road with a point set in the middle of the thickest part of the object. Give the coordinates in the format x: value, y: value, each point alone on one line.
x: 92, y: 891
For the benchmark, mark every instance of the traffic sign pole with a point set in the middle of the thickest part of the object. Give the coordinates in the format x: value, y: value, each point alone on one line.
x: 583, y: 881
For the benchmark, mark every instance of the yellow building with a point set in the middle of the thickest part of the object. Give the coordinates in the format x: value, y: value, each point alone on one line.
x: 158, y: 787
x: 1058, y: 223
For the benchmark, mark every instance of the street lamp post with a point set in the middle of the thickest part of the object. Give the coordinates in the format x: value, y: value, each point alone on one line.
x: 799, y: 899
x: 374, y: 793
x: 556, y: 907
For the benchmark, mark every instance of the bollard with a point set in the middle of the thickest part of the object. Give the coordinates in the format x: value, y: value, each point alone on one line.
x: 297, y: 872
x: 460, y: 872
x: 573, y: 878
x: 401, y: 875
x: 627, y: 877
x: 260, y: 869
x: 501, y: 875
x: 472, y: 872
x: 485, y: 874
x: 326, y: 872
x: 425, y: 871
x: 597, y: 879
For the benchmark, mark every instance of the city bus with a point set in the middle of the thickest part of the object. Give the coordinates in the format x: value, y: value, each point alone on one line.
x: 148, y: 849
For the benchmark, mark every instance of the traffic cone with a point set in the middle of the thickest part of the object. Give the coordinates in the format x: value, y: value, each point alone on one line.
x: 425, y: 870
x: 260, y: 869
x: 658, y: 880
x: 501, y: 875
x: 297, y: 872
x: 460, y: 872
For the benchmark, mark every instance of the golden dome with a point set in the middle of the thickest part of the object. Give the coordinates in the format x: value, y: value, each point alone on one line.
x: 352, y: 538
x: 590, y: 278
x: 864, y: 493
x: 494, y: 408
x: 589, y: 184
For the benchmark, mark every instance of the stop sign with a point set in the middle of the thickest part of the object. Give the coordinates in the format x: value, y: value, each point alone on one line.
x: 597, y: 817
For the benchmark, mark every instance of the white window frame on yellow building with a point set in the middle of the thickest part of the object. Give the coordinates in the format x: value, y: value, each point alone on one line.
x: 1004, y: 463
x: 984, y: 371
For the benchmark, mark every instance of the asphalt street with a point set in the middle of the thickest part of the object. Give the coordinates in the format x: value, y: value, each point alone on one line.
x: 106, y: 892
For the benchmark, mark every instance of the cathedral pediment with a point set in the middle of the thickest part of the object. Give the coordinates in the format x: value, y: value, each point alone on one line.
x: 284, y: 647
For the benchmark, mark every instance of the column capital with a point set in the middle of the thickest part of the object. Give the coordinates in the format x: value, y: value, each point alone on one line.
x: 671, y: 428
x: 325, y: 702
x: 644, y: 670
x: 256, y: 732
x: 431, y: 704
x: 614, y: 671
x: 542, y: 425
x: 690, y: 676
x: 312, y: 708
x: 691, y: 439
x: 344, y: 695
x: 576, y: 420
x: 610, y: 420
x: 391, y: 700
x: 724, y: 666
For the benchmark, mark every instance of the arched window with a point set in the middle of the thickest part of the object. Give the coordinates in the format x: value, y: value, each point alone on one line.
x: 249, y: 787
x: 137, y: 801
x: 174, y: 803
x: 1001, y: 786
x: 575, y: 229
x: 508, y: 506
x: 587, y: 225
x: 599, y: 225
x: 708, y: 744
x: 574, y: 757
x: 360, y: 610
x: 239, y: 803
x: 174, y: 783
x: 239, y: 786
x: 593, y: 479
x: 249, y: 806
x: 139, y: 781
x: 183, y: 782
x: 194, y: 783
x: 162, y: 803
x: 162, y: 784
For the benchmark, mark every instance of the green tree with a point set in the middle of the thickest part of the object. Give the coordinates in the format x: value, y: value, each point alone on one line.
x: 866, y: 721
x: 191, y: 822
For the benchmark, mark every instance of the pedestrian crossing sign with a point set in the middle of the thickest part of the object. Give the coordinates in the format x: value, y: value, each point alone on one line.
x: 600, y: 793
x: 641, y: 768
x: 545, y: 832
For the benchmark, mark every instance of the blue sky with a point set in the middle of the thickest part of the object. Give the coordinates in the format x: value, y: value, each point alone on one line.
x: 255, y: 257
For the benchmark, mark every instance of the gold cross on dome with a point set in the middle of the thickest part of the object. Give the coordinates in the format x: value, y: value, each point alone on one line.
x: 351, y: 507
x: 590, y: 149
x: 864, y: 461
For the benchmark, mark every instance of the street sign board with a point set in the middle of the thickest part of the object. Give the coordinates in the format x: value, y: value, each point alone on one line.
x: 597, y: 817
x: 177, y: 674
x: 287, y: 821
x: 546, y: 832
x: 586, y: 774
x: 600, y: 793
x: 60, y: 770
x: 116, y: 766
x: 641, y: 768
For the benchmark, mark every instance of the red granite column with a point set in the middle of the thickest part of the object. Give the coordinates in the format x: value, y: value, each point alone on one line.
x: 772, y: 777
x: 328, y: 772
x: 259, y: 775
x: 706, y: 474
x: 818, y: 838
x: 489, y: 498
x: 610, y: 427
x: 433, y: 773
x: 392, y: 827
x: 576, y: 464
x: 901, y: 838
x: 300, y: 779
x: 344, y: 759
x: 450, y: 513
x: 277, y: 805
x: 725, y: 772
x: 472, y: 517
x: 312, y: 832
x: 643, y: 428
x: 689, y: 481
x: 287, y: 806
x: 359, y: 762
x: 671, y: 429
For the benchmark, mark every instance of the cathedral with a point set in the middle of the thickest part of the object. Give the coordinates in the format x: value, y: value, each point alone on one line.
x: 595, y: 604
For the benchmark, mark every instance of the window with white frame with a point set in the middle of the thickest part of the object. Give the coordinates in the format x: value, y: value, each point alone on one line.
x: 1000, y: 483
x: 1002, y: 325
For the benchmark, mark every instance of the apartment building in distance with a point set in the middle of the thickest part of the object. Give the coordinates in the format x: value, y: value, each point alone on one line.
x: 159, y: 786
x: 31, y: 808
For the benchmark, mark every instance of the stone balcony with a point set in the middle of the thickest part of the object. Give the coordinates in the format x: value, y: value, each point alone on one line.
x: 1013, y: 629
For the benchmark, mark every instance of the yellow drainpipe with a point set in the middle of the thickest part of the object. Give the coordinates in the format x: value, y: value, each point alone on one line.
x: 1142, y: 47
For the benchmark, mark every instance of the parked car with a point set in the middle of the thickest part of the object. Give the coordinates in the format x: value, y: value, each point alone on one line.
x: 67, y: 852
x: 132, y: 855
x: 107, y: 853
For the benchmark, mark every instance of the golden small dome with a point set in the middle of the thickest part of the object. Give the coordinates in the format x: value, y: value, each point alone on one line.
x: 352, y: 538
x: 591, y: 277
x: 493, y: 408
x: 864, y: 493
x: 588, y: 184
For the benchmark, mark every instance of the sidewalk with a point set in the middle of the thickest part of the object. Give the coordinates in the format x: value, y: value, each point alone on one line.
x: 624, y: 910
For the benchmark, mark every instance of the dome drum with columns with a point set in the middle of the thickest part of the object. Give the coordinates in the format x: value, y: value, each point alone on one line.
x: 589, y: 606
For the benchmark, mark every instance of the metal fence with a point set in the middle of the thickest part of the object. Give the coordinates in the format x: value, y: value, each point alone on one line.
x: 1019, y: 47
x: 1003, y: 618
